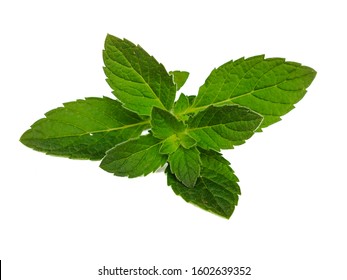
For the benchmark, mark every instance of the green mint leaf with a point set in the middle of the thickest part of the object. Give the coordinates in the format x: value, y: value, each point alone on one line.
x: 180, y: 78
x: 269, y: 86
x: 181, y: 105
x: 137, y: 79
x: 84, y: 129
x: 186, y: 141
x: 223, y: 127
x: 170, y: 145
x: 135, y: 157
x: 216, y: 189
x: 217, y: 169
x: 164, y: 124
x: 185, y: 164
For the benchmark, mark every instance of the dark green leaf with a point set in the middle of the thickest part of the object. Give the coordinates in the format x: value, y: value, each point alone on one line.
x: 216, y: 190
x: 137, y: 79
x: 185, y: 164
x: 84, y: 129
x: 135, y: 157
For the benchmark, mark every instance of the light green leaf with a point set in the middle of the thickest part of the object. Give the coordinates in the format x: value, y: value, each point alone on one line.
x: 164, y: 124
x: 181, y: 105
x: 223, y: 127
x: 137, y: 79
x: 135, y: 157
x: 84, y: 129
x: 269, y: 86
x: 185, y: 164
x: 186, y: 141
x: 170, y: 145
x: 180, y: 78
x: 216, y: 189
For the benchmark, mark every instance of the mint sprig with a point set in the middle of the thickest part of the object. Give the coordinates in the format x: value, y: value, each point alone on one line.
x: 144, y: 128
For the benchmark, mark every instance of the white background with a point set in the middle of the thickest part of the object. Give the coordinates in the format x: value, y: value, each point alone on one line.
x: 65, y: 219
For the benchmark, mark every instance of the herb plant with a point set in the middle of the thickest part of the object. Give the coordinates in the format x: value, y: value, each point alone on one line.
x: 145, y: 127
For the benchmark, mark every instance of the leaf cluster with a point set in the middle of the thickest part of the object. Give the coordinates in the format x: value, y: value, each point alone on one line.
x: 146, y: 126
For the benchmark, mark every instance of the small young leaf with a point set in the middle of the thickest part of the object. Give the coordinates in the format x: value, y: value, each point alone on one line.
x: 269, y: 87
x: 164, y: 124
x: 186, y: 141
x: 216, y: 190
x: 135, y: 157
x: 84, y: 129
x: 180, y: 78
x: 185, y: 164
x: 181, y: 105
x: 137, y: 79
x: 170, y: 145
x: 223, y: 127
